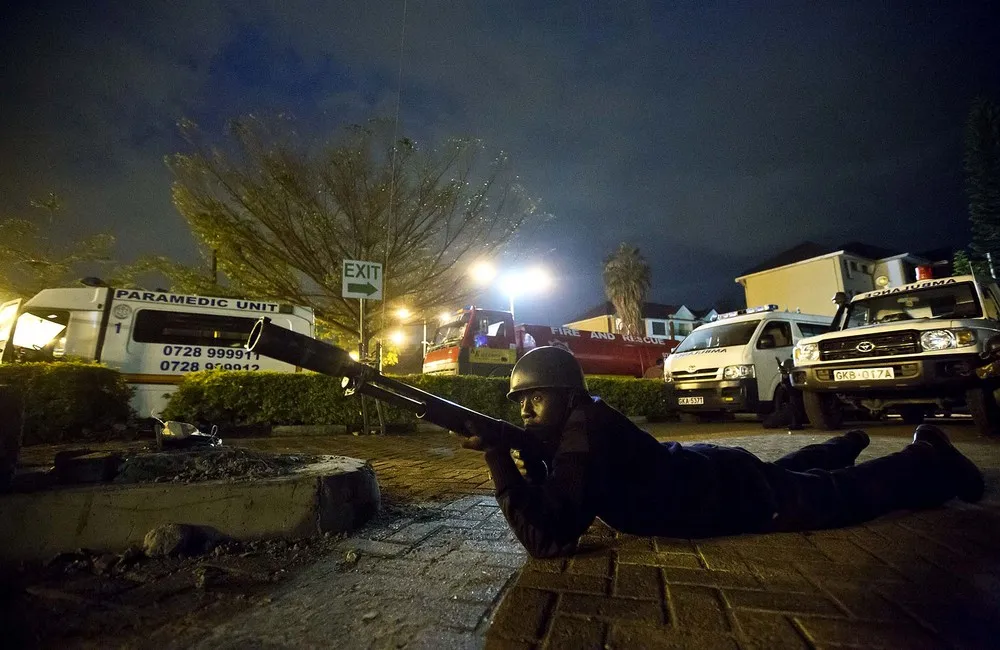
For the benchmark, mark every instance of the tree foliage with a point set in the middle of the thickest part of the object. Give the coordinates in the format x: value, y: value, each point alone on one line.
x: 963, y: 264
x: 627, y: 279
x: 982, y: 178
x: 30, y: 258
x: 283, y: 213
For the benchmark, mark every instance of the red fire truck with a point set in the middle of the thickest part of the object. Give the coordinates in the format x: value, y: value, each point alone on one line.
x: 486, y: 342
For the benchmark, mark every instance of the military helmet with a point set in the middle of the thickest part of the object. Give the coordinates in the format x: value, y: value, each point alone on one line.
x: 546, y: 367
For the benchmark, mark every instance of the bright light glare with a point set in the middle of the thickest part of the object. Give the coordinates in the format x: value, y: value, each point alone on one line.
x: 483, y: 272
x: 445, y: 317
x: 397, y: 338
x: 354, y: 355
x: 532, y: 280
x: 538, y: 278
x: 402, y: 313
x: 511, y: 284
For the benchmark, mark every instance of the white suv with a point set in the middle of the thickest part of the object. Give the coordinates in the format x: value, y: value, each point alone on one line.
x: 914, y: 349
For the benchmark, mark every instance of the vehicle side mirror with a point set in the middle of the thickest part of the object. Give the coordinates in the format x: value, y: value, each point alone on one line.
x: 840, y: 298
x: 765, y: 342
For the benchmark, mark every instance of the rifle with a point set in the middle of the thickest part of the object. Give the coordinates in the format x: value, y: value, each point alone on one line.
x: 299, y: 350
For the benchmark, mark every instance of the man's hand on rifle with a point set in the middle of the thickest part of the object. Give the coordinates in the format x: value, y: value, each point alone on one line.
x: 472, y: 440
x: 475, y: 442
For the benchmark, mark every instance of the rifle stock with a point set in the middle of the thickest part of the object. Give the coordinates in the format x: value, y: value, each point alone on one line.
x: 299, y: 350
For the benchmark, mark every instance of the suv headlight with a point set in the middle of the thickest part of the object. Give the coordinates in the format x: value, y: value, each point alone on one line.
x: 738, y: 372
x: 945, y: 339
x: 806, y: 352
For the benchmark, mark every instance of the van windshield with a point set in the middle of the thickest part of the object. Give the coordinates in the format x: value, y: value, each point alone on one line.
x: 718, y: 336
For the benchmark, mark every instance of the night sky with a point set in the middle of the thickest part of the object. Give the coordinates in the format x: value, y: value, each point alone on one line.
x: 711, y: 135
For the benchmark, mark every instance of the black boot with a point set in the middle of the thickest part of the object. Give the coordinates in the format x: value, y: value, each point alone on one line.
x: 967, y: 479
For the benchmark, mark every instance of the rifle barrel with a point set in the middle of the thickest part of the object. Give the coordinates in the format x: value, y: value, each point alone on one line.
x: 297, y: 349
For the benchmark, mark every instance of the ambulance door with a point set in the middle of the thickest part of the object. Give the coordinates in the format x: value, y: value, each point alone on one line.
x: 773, y: 344
x: 8, y: 314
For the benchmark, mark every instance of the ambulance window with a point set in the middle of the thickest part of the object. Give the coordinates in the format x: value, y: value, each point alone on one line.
x: 154, y: 326
x: 40, y: 334
x: 780, y: 331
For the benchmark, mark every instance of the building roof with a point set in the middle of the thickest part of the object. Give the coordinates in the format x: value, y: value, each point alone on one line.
x: 649, y: 310
x: 808, y: 250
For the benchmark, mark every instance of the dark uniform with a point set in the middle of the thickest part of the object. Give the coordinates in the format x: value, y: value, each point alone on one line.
x: 605, y: 466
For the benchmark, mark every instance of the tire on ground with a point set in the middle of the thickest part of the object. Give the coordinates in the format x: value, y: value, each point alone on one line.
x: 823, y: 410
x: 982, y: 404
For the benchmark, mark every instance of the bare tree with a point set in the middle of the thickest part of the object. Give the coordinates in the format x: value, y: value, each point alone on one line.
x: 627, y: 279
x: 282, y: 214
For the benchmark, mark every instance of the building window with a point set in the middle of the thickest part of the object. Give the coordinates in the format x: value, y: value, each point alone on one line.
x: 659, y: 328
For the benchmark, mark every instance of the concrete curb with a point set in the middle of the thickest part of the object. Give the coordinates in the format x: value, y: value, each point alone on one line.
x: 335, y: 495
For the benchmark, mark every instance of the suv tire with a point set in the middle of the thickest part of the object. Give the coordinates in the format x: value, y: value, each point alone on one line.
x: 823, y: 410
x: 982, y: 404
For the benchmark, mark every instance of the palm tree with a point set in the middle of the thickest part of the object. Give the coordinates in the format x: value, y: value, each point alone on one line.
x: 626, y: 282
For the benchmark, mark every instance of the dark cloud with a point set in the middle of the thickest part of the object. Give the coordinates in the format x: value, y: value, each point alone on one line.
x: 709, y: 134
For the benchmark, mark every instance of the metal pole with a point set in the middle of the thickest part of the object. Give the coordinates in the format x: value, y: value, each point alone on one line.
x: 511, y: 306
x: 363, y: 358
x: 423, y: 341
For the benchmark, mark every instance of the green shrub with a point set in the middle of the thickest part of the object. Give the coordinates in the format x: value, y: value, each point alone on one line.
x: 67, y: 400
x: 635, y: 397
x: 234, y: 398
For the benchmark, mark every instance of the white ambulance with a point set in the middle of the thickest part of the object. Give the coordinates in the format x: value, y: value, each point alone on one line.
x: 731, y: 364
x: 153, y: 338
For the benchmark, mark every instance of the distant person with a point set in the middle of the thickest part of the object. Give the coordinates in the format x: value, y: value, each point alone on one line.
x: 655, y: 371
x: 597, y: 463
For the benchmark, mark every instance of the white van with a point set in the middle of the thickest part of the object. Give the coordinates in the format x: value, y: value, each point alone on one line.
x: 153, y: 338
x: 731, y: 364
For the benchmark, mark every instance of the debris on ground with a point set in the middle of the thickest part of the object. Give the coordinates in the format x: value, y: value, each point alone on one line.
x: 219, y: 463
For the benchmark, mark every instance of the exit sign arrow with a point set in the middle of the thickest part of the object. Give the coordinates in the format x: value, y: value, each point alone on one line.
x: 367, y: 288
x: 362, y: 279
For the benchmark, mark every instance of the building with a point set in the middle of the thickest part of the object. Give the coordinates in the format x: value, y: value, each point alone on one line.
x: 806, y: 277
x: 660, y: 321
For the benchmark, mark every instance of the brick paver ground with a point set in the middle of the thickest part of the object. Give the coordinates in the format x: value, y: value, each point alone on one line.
x: 911, y: 580
x: 443, y: 570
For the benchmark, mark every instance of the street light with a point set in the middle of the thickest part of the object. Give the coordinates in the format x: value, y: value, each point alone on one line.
x: 520, y: 282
